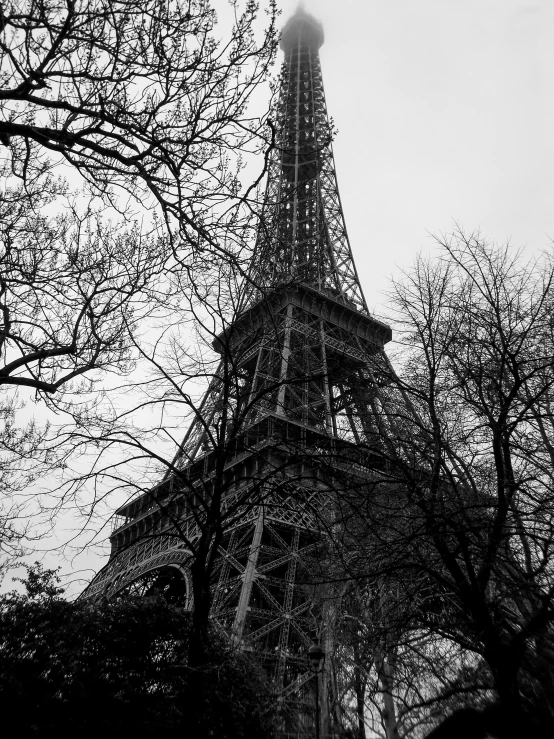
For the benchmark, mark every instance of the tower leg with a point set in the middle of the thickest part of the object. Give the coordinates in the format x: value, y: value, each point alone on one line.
x: 249, y: 576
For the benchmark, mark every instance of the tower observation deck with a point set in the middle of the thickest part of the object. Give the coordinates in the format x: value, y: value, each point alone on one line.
x: 301, y: 377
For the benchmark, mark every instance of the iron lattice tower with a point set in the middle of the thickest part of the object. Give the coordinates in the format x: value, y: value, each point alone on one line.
x: 307, y: 359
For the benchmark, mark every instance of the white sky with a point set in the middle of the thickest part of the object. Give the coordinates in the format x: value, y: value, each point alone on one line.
x: 445, y: 112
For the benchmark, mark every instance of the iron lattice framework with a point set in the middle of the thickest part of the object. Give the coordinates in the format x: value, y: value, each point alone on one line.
x: 302, y: 376
x: 303, y: 235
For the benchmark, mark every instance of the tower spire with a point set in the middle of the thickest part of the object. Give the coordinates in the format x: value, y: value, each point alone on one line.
x: 303, y: 235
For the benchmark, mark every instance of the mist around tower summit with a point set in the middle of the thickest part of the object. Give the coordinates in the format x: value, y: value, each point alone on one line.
x: 276, y: 369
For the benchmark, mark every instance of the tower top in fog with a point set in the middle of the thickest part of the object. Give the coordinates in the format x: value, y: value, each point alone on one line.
x: 302, y: 29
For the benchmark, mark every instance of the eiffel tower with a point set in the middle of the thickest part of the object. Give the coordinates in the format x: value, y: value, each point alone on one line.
x: 308, y: 353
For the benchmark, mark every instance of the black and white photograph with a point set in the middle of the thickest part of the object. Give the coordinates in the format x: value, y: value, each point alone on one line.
x: 277, y: 455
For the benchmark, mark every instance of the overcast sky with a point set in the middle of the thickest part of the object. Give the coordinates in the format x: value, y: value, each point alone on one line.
x: 445, y: 112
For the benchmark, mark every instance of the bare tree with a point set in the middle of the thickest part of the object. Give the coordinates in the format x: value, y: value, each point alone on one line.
x: 137, y: 98
x: 460, y: 515
x: 140, y: 98
x: 398, y: 674
x: 123, y: 131
x: 72, y: 287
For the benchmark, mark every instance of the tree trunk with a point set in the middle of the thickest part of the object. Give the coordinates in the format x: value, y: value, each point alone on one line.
x: 388, y: 713
x: 359, y: 689
x: 198, y: 644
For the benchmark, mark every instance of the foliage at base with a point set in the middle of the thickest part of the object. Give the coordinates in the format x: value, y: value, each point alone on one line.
x: 120, y: 669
